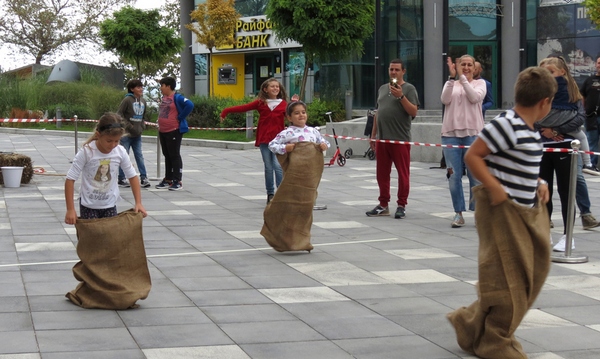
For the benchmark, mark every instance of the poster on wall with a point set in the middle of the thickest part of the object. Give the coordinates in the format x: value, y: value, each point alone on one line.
x: 565, y: 30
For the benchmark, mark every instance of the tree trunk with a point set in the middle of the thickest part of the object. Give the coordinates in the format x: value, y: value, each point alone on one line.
x: 307, y: 65
x: 209, y: 72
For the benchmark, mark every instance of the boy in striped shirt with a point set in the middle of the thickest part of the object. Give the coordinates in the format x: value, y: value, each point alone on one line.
x: 512, y: 222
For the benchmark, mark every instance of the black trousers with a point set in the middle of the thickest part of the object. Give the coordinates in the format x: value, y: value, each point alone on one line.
x: 170, y: 143
x: 558, y: 163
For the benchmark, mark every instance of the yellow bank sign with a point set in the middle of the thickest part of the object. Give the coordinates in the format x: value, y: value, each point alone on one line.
x: 251, y: 33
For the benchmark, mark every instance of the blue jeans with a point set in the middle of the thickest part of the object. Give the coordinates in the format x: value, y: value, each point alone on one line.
x: 593, y: 137
x: 455, y: 161
x: 582, y: 196
x: 271, y: 165
x: 135, y: 143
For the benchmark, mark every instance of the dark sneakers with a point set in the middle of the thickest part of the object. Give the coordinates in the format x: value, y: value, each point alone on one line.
x: 400, y: 213
x: 378, y: 211
x: 269, y: 198
x: 164, y: 184
x: 123, y: 183
x: 145, y: 183
x: 176, y: 185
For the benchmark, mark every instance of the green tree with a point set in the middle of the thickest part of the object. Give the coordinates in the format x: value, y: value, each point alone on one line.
x: 593, y: 11
x: 326, y: 30
x: 214, y: 22
x: 152, y: 70
x: 137, y: 37
x: 43, y: 27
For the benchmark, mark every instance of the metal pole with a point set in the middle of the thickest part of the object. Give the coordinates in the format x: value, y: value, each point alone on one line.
x: 249, y: 124
x: 76, y: 134
x: 566, y: 256
x: 58, y: 117
x: 158, y: 155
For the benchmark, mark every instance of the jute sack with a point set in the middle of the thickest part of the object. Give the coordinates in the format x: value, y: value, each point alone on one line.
x: 113, y: 270
x: 288, y: 217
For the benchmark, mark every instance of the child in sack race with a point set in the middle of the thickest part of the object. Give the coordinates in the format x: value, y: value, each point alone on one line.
x: 512, y: 222
x: 299, y: 149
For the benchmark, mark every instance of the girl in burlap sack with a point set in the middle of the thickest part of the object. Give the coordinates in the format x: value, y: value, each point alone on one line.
x: 299, y: 149
x: 113, y: 270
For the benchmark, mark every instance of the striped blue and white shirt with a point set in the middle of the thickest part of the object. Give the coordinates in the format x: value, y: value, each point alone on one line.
x: 516, y: 153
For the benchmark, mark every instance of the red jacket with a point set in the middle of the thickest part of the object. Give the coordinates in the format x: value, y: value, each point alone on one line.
x: 270, y: 123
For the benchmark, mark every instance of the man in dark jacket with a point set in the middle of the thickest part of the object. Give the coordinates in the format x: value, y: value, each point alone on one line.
x: 133, y: 111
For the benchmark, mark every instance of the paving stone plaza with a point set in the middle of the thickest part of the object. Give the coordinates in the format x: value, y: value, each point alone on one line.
x: 371, y: 288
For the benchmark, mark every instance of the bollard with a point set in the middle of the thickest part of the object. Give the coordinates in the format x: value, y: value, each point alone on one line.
x: 76, y: 145
x: 249, y: 124
x: 348, y: 105
x: 566, y: 257
x: 58, y: 117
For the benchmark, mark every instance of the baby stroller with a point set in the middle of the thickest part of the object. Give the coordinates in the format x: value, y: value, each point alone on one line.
x: 368, y: 129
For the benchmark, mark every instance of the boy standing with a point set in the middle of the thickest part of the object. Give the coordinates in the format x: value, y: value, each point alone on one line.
x: 512, y: 221
x: 173, y: 109
x: 133, y: 110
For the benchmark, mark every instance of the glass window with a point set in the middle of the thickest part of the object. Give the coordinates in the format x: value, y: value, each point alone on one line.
x: 251, y: 7
x: 469, y: 20
x: 200, y: 64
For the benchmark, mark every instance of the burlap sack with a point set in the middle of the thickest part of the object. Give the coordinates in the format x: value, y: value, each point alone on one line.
x: 113, y: 270
x: 289, y: 215
x: 514, y: 260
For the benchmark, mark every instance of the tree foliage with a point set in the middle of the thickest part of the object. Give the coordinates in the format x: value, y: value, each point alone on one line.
x: 326, y: 29
x: 214, y: 23
x: 137, y: 37
x: 42, y: 27
x: 593, y: 11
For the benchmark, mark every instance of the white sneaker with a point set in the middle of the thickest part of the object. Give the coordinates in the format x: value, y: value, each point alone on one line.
x: 561, y: 245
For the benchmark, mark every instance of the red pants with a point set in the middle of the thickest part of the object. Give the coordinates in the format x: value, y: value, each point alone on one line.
x: 399, y: 155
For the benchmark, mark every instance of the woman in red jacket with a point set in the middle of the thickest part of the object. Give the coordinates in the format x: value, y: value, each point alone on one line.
x: 270, y: 104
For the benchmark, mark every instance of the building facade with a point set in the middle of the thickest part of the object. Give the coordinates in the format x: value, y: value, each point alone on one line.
x: 505, y: 36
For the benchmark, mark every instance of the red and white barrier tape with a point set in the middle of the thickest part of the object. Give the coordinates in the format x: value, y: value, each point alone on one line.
x: 444, y: 146
x: 33, y: 120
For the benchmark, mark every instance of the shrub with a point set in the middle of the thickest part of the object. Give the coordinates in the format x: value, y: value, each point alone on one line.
x: 317, y: 109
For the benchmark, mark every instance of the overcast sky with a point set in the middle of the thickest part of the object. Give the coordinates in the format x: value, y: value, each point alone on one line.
x: 10, y: 59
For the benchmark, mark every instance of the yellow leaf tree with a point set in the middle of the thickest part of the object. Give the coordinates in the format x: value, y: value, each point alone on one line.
x: 214, y: 23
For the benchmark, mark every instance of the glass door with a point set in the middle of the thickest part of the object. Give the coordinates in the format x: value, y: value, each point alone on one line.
x: 484, y: 52
x: 263, y: 69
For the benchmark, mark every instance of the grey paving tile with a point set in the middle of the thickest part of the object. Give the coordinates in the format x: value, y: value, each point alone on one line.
x: 15, y: 322
x: 247, y: 313
x: 215, y: 283
x: 104, y: 354
x: 229, y: 282
x: 15, y: 342
x: 227, y: 297
x: 296, y: 350
x: 76, y: 319
x: 357, y: 327
x: 400, y: 306
x: 169, y: 336
x: 144, y: 317
x: 14, y: 304
x: 270, y: 332
x: 216, y: 351
x: 400, y: 347
x: 84, y: 340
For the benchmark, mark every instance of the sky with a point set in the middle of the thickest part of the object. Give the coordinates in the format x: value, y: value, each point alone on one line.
x: 10, y: 59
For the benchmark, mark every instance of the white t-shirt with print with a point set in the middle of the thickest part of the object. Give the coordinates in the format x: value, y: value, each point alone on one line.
x: 99, y: 173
